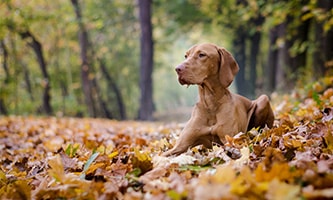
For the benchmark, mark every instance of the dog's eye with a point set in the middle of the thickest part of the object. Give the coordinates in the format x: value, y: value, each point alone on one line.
x: 185, y: 56
x: 201, y: 55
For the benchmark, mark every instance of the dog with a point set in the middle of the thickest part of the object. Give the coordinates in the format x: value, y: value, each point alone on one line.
x: 218, y: 112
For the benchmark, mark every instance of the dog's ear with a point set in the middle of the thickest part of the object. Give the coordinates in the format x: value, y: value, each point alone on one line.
x: 228, y: 67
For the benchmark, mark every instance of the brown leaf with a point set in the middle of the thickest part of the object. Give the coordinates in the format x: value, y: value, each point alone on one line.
x: 311, y: 193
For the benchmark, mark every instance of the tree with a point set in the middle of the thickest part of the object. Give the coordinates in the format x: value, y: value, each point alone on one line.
x: 291, y: 43
x: 323, y: 53
x: 146, y: 62
x: 85, y: 62
x: 271, y: 66
x: 121, y: 111
x: 289, y: 39
x: 3, y: 48
x: 38, y: 49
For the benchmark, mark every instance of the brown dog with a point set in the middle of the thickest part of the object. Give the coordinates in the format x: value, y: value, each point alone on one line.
x: 218, y: 112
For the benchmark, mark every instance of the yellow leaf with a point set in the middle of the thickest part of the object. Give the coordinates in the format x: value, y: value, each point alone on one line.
x: 142, y: 161
x: 3, y: 178
x: 329, y: 140
x: 113, y: 154
x: 55, y: 144
x: 262, y: 187
x: 311, y: 193
x: 109, y: 149
x: 224, y: 174
x: 291, y: 142
x: 280, y: 190
x: 141, y: 156
x: 280, y: 171
x: 239, y: 186
x: 246, y: 185
x: 244, y: 159
x: 95, y: 166
x: 57, y: 168
x: 101, y: 149
x: 18, y: 189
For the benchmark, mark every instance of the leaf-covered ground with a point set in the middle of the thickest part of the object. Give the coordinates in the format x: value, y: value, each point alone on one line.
x: 66, y: 158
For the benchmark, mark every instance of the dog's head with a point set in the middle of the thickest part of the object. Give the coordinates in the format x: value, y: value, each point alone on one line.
x: 204, y: 61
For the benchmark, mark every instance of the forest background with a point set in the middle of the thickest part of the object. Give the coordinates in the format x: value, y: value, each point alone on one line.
x: 115, y: 59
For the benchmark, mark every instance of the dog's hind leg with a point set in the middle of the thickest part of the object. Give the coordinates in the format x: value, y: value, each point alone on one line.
x: 263, y: 114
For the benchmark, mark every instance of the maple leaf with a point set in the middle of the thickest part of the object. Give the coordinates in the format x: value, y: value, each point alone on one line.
x: 17, y: 189
x: 280, y: 171
x: 243, y: 183
x: 183, y: 159
x: 142, y: 161
x: 68, y: 158
x: 3, y: 178
x: 281, y: 190
x: 328, y: 138
x: 223, y: 174
x: 311, y: 193
x: 56, y: 168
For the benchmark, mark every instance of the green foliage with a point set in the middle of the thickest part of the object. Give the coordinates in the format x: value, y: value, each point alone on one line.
x: 113, y: 36
x: 114, y: 39
x: 72, y: 149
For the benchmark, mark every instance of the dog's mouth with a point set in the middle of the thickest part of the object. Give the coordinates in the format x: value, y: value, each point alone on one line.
x: 182, y: 81
x: 187, y: 80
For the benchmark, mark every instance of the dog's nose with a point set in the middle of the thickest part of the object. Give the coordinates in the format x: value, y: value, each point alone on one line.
x: 179, y: 68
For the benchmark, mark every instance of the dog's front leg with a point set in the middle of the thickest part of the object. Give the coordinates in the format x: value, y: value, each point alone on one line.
x: 189, y: 138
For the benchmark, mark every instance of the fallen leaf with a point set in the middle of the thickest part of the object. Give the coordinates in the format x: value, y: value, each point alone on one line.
x: 281, y: 190
x: 183, y: 159
x: 56, y: 168
x: 311, y: 193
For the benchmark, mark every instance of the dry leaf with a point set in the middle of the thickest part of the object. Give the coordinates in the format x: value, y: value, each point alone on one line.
x: 68, y: 158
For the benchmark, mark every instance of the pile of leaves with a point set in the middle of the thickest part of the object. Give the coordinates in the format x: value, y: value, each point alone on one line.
x: 67, y: 158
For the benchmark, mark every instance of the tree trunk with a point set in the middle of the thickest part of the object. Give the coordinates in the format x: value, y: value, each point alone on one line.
x: 239, y: 47
x: 27, y: 81
x: 102, y: 108
x: 271, y: 67
x: 3, y: 109
x: 146, y: 62
x: 85, y: 65
x: 37, y: 47
x: 5, y: 60
x: 283, y: 58
x: 328, y: 49
x: 113, y: 86
x: 324, y: 49
x: 318, y: 56
x: 299, y: 61
x: 254, y: 51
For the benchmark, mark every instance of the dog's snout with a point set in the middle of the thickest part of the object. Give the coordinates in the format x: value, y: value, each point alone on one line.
x: 179, y: 68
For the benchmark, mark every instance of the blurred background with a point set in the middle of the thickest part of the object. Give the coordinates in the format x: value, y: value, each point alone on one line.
x: 115, y: 58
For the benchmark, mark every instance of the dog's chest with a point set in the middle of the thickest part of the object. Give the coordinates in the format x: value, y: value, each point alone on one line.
x: 209, y: 116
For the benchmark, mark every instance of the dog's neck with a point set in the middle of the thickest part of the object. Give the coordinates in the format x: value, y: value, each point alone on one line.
x: 212, y: 95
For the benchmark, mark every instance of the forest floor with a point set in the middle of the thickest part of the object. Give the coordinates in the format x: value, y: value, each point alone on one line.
x: 71, y: 158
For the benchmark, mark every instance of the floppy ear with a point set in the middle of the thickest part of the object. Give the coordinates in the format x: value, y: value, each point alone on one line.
x: 228, y: 67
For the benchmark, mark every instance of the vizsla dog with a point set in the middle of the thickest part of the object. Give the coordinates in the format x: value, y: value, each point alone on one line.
x: 218, y: 112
